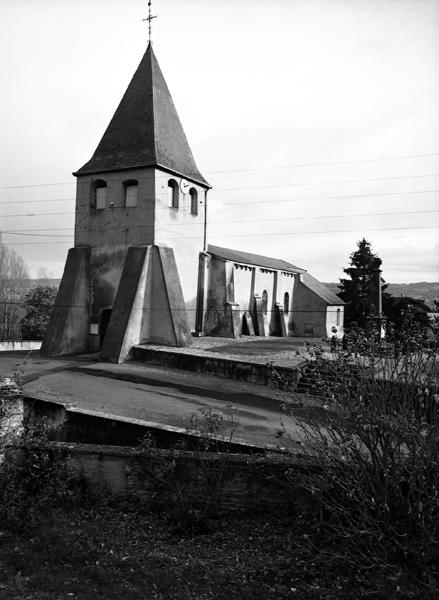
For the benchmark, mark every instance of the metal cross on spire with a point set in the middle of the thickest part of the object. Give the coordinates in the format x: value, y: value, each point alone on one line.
x: 149, y: 18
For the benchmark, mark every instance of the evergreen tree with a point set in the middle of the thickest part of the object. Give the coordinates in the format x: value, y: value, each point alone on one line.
x: 361, y: 291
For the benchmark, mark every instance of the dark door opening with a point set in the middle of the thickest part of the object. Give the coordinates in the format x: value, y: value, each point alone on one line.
x: 103, y: 324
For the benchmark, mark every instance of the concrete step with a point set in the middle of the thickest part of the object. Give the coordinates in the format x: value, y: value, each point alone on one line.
x: 210, y: 363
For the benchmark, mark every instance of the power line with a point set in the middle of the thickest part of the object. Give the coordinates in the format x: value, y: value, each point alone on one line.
x: 37, y: 214
x: 156, y: 308
x: 228, y: 222
x: 253, y: 201
x: 382, y: 214
x: 259, y: 201
x: 33, y: 185
x: 336, y: 162
x: 277, y: 233
x: 38, y: 234
x: 31, y: 201
x: 341, y: 197
x: 292, y: 166
x: 264, y: 187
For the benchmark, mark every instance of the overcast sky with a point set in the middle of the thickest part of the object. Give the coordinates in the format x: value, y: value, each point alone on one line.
x: 315, y: 121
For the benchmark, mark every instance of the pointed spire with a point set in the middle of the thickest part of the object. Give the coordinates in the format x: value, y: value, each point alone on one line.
x: 145, y: 129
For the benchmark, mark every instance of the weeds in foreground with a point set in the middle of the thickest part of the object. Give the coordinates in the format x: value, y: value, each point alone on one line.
x: 375, y: 434
x: 34, y: 478
x: 186, y: 483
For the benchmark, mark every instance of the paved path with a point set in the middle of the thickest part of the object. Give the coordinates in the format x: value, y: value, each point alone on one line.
x: 165, y: 396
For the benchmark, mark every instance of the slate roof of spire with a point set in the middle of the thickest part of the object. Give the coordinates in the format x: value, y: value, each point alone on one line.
x: 145, y: 129
x: 253, y: 259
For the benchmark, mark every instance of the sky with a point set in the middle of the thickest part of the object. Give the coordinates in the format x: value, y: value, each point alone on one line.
x: 315, y: 121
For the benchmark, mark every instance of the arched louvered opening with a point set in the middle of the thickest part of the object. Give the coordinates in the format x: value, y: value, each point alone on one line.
x: 173, y: 193
x: 194, y: 201
x: 131, y: 188
x: 99, y: 194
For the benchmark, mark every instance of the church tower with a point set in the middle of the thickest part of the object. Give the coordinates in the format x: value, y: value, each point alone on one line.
x: 139, y: 228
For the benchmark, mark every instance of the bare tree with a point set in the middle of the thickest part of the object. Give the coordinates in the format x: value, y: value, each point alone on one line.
x: 14, y: 278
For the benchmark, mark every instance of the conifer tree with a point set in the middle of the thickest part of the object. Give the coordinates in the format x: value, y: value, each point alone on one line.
x: 361, y: 291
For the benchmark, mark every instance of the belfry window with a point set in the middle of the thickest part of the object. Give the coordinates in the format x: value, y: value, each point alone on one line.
x: 286, y: 303
x: 131, y: 192
x: 173, y: 193
x: 99, y: 197
x: 194, y: 201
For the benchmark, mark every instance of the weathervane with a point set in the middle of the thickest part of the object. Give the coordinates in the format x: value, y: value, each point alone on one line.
x: 149, y: 18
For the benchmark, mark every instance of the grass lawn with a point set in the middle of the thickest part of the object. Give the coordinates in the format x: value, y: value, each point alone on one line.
x: 115, y: 553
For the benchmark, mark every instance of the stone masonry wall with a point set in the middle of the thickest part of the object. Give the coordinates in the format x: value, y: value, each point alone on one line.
x: 232, y: 483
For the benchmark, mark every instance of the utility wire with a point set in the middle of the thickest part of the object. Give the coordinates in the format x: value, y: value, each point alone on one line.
x: 258, y: 201
x: 37, y: 214
x: 231, y: 221
x: 336, y: 162
x: 157, y: 308
x: 297, y: 165
x: 277, y: 233
x: 313, y: 198
x: 264, y: 187
x: 252, y: 201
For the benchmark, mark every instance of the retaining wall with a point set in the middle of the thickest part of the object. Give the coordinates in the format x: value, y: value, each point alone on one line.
x: 165, y: 478
x: 20, y: 345
x: 211, y: 365
x: 70, y: 424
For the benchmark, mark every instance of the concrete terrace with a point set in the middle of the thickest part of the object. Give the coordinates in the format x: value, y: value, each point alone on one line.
x: 164, y: 397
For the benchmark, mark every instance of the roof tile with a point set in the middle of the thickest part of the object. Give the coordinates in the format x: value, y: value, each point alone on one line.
x: 253, y: 259
x: 145, y: 129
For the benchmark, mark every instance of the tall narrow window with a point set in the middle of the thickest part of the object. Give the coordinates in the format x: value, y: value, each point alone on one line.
x: 173, y: 193
x: 99, y: 197
x: 286, y: 303
x: 131, y: 193
x: 264, y: 302
x: 194, y: 201
x: 338, y: 317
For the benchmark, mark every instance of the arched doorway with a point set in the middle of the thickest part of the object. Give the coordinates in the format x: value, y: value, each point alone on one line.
x: 103, y: 324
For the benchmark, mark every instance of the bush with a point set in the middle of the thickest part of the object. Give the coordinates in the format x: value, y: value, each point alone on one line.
x: 34, y: 478
x: 38, y: 303
x: 374, y: 431
x: 186, y: 484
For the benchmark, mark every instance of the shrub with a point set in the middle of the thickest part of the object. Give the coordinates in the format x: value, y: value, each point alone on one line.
x: 34, y: 478
x: 186, y: 483
x: 374, y: 431
x: 38, y: 303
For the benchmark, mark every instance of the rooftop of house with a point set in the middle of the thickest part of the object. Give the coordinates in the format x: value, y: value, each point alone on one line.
x: 145, y: 129
x: 253, y: 259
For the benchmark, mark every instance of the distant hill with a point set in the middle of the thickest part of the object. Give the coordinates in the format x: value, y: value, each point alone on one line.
x: 422, y: 290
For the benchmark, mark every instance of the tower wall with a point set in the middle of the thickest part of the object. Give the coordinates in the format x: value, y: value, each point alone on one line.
x: 110, y: 231
x: 182, y: 231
